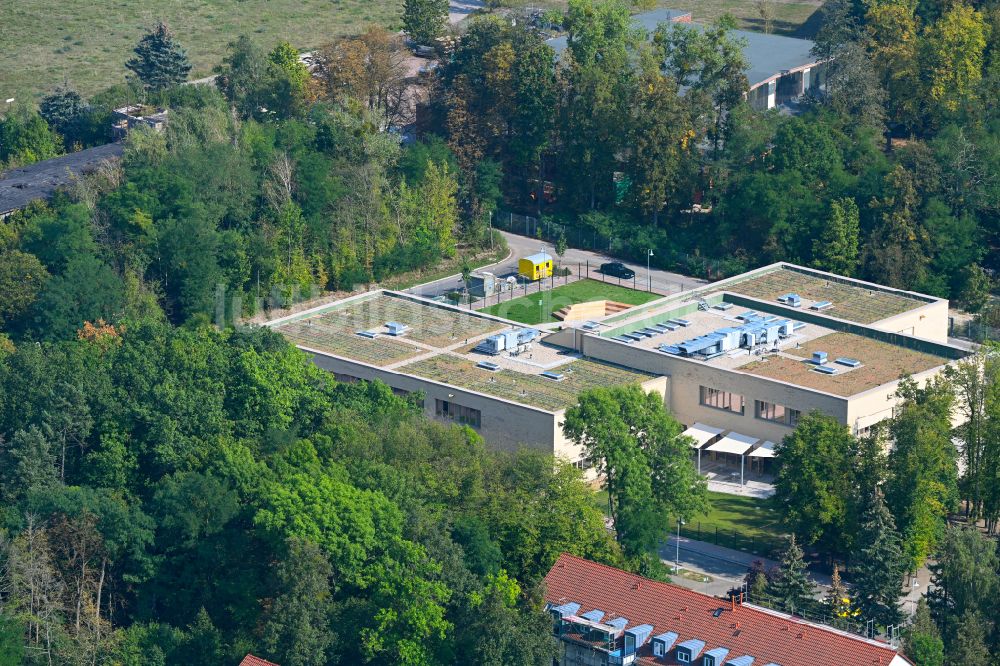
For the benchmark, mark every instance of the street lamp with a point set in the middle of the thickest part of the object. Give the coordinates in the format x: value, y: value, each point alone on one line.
x: 677, y: 556
x: 649, y: 276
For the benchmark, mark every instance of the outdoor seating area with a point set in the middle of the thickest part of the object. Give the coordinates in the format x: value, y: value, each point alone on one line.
x: 730, y: 461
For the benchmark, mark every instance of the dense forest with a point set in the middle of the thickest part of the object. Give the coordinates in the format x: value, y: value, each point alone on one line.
x: 178, y: 488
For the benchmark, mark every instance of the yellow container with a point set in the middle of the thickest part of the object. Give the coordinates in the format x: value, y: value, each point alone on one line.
x: 535, y: 267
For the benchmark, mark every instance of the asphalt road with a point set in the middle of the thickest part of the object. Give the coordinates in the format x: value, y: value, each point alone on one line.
x: 521, y: 246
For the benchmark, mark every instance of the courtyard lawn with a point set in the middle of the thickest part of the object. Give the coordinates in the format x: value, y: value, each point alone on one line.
x: 527, y: 310
x: 741, y: 523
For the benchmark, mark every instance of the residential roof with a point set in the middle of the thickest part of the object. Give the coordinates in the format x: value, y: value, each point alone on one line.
x: 746, y: 630
x: 251, y: 660
x: 768, y: 56
x: 21, y: 186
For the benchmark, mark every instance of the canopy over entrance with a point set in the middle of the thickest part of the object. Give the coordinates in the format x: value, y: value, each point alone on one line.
x: 702, y: 434
x: 734, y: 442
x: 765, y: 450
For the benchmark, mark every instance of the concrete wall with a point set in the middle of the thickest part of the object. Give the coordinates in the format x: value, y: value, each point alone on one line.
x: 929, y: 322
x: 686, y: 377
x: 505, y: 426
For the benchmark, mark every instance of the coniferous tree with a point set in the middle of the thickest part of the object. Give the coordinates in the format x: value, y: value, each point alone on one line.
x: 969, y: 647
x: 837, y: 597
x: 159, y: 61
x: 922, y: 641
x: 837, y: 248
x: 62, y: 107
x: 880, y: 565
x: 792, y: 589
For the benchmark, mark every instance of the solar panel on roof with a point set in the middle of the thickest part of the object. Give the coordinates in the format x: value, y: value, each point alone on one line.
x: 821, y: 305
x: 825, y: 369
x: 368, y: 334
x: 486, y: 365
x: 849, y: 362
x: 554, y: 376
x: 683, y: 322
x: 622, y: 338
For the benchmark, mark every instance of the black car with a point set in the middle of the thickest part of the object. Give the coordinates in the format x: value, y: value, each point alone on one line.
x: 618, y: 270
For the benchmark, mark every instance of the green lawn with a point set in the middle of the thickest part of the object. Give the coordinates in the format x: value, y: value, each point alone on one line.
x: 527, y: 309
x: 741, y: 523
x: 43, y: 42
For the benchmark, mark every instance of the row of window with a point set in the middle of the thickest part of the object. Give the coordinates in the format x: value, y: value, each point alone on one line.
x: 465, y: 415
x: 734, y: 402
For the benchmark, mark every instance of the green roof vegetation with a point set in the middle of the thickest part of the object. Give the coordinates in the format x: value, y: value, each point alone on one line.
x: 534, y: 390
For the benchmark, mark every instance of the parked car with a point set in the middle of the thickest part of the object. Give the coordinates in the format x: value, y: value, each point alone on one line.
x: 618, y: 270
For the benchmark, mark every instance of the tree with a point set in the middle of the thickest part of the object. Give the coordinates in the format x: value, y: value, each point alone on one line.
x: 965, y: 580
x: 28, y: 464
x: 289, y: 81
x: 814, y: 484
x: 952, y: 56
x: 879, y: 565
x: 425, y: 20
x: 922, y: 485
x: 646, y: 469
x: 88, y: 290
x: 298, y: 632
x: 62, y: 108
x: 836, y: 250
x: 892, y: 31
x: 895, y: 254
x: 970, y: 647
x: 837, y: 598
x: 159, y: 61
x: 922, y: 640
x: 370, y: 68
x: 26, y: 138
x: 22, y: 276
x: 244, y: 77
x: 662, y: 137
x: 791, y: 589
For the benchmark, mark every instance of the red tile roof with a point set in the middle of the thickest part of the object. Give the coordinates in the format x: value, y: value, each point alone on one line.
x: 251, y: 660
x: 766, y: 635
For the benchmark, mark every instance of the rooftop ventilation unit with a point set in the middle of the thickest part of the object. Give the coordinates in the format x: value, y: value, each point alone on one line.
x: 662, y: 643
x: 554, y: 376
x: 507, y: 341
x: 669, y: 349
x: 825, y: 369
x: 633, y: 337
x: 371, y: 335
x: 715, y: 656
x: 849, y: 362
x: 793, y: 300
x: 723, y: 306
x: 819, y: 357
x: 590, y: 326
x: 681, y: 322
x: 622, y: 338
x: 669, y: 325
x: 486, y: 365
x: 594, y: 615
x: 798, y: 326
x: 745, y: 660
x: 395, y: 328
x: 821, y: 305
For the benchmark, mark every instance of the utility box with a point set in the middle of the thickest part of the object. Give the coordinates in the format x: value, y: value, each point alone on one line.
x: 535, y: 267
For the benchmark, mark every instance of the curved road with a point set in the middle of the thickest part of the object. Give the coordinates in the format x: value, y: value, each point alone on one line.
x: 522, y: 246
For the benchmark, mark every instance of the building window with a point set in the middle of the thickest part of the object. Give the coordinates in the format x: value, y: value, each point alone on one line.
x: 769, y: 411
x: 455, y: 412
x: 683, y: 656
x: 731, y: 402
x: 583, y: 464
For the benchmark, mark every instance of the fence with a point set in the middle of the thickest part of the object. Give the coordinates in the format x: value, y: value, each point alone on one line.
x: 730, y: 538
x: 545, y: 229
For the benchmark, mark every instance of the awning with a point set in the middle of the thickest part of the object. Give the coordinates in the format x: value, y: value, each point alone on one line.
x: 765, y: 450
x: 734, y: 442
x: 702, y: 434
